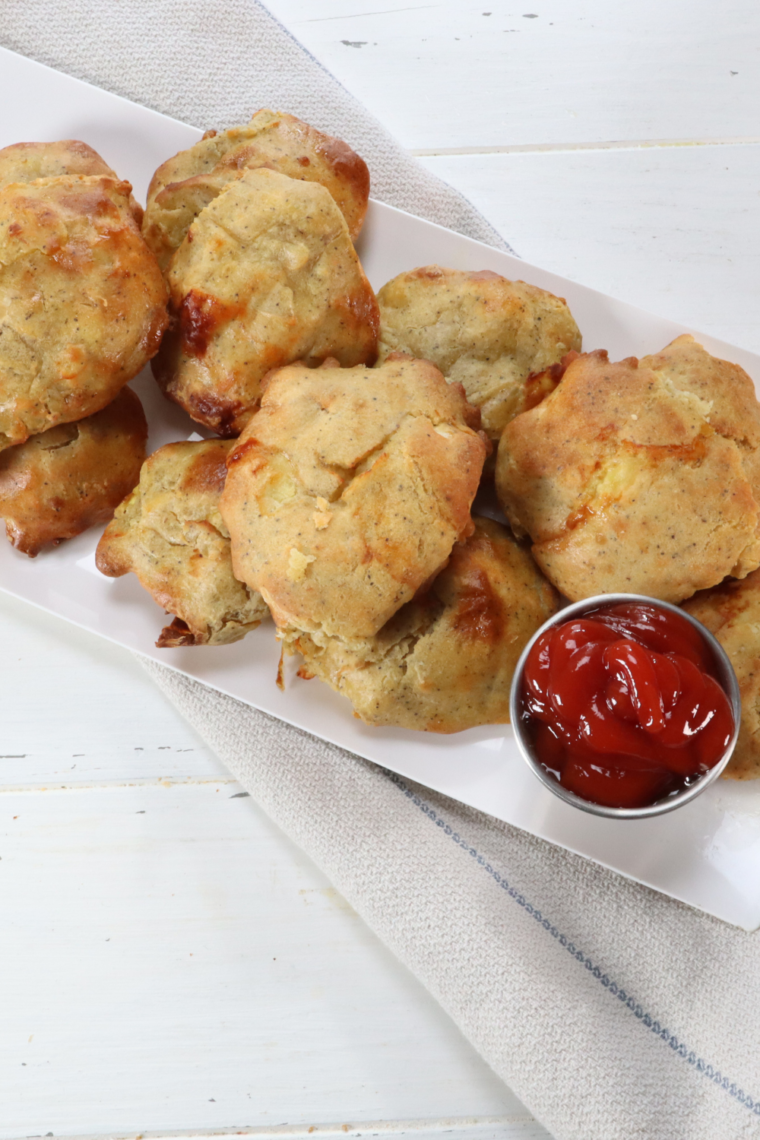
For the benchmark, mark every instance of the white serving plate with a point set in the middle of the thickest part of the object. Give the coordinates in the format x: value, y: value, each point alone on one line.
x: 706, y: 853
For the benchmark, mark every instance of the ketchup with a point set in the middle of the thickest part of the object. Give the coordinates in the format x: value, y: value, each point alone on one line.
x: 622, y: 706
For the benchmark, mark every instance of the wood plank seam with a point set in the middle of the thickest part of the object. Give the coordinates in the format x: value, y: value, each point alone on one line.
x: 473, y: 1127
x: 116, y: 785
x: 569, y: 148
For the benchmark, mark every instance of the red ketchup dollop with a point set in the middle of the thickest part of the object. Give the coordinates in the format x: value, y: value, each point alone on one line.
x: 622, y: 706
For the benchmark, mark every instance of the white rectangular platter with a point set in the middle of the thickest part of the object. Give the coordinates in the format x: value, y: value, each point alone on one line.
x: 706, y: 854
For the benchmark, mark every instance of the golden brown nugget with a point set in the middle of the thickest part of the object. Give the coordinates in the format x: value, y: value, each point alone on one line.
x: 638, y: 476
x: 28, y: 161
x: 185, y: 185
x: 445, y: 661
x: 483, y: 331
x: 267, y: 275
x: 730, y: 392
x: 348, y: 490
x: 731, y: 612
x: 169, y: 532
x: 82, y: 301
x: 73, y: 476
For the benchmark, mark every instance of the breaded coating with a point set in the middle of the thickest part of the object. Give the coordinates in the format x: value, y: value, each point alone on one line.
x: 638, y: 476
x: 170, y: 534
x: 445, y: 661
x: 348, y: 490
x: 731, y: 612
x: 483, y: 331
x: 730, y: 392
x: 185, y: 184
x: 266, y: 275
x: 73, y: 476
x: 82, y: 301
x: 28, y: 161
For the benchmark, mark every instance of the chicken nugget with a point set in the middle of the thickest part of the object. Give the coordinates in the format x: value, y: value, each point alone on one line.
x: 72, y: 476
x: 82, y: 301
x: 445, y: 661
x: 169, y: 532
x: 483, y: 331
x: 185, y: 184
x: 348, y: 490
x: 638, y: 476
x: 266, y: 275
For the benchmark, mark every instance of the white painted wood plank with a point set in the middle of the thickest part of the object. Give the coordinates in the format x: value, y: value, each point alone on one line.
x: 170, y: 961
x: 464, y: 73
x: 673, y: 230
x: 76, y: 709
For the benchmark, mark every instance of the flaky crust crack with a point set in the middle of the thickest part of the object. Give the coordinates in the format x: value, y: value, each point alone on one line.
x: 186, y: 183
x: 444, y: 662
x: 483, y: 331
x: 348, y: 490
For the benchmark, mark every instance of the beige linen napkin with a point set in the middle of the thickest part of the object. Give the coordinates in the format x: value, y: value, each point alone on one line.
x: 612, y: 1011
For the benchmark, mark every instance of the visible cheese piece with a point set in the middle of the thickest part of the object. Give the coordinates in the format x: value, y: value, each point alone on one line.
x: 298, y: 564
x: 323, y: 515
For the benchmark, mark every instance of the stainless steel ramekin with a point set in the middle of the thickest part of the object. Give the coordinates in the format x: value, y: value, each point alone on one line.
x: 725, y: 675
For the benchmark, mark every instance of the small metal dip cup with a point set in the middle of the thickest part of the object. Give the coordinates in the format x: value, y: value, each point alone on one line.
x: 724, y: 675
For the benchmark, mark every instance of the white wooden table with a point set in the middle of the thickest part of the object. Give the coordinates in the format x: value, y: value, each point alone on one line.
x: 169, y: 961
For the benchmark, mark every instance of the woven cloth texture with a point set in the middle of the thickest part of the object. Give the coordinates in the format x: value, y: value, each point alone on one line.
x: 612, y: 1011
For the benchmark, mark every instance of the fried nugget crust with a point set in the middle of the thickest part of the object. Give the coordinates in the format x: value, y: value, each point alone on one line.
x: 185, y: 184
x: 483, y: 331
x: 445, y: 661
x: 266, y: 275
x: 638, y: 476
x: 348, y: 490
x: 28, y: 161
x: 73, y: 476
x: 731, y: 612
x: 82, y: 301
x: 169, y: 532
